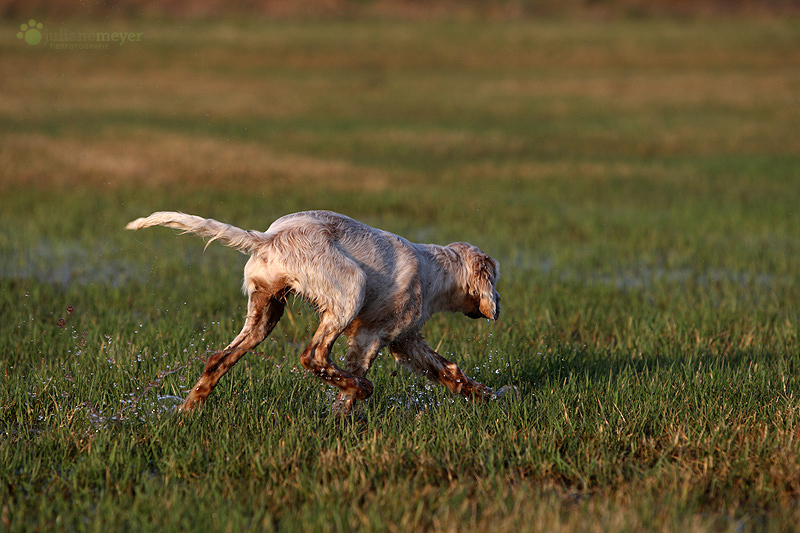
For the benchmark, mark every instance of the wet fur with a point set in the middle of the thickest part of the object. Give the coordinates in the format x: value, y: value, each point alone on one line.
x: 373, y: 286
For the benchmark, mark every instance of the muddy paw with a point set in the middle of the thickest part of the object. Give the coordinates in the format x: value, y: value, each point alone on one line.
x: 365, y: 388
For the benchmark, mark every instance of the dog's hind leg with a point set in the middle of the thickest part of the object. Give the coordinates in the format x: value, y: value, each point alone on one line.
x: 264, y: 310
x: 362, y: 350
x: 316, y: 359
x: 415, y: 354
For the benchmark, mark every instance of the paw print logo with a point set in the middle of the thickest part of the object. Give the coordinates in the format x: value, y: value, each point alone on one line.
x: 31, y: 32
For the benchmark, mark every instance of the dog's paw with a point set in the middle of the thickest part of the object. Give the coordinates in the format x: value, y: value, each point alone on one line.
x: 506, y: 391
x: 342, y: 405
x: 364, y: 390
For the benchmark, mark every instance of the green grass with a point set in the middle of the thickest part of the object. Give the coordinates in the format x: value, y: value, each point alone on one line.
x: 637, y: 181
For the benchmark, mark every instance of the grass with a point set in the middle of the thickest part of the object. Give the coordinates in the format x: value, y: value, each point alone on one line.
x: 637, y: 182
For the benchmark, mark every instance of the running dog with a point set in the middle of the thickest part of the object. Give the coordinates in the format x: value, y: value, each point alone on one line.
x: 375, y: 287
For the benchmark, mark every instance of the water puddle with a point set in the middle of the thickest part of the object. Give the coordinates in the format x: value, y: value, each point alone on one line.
x: 66, y: 263
x: 641, y: 275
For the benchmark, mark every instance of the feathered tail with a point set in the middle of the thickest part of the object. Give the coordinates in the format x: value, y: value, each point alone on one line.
x: 243, y: 240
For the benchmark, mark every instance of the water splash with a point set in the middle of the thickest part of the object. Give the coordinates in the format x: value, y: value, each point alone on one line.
x: 142, y: 405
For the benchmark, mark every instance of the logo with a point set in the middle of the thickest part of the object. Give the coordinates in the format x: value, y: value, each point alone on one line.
x: 64, y: 39
x: 31, y: 32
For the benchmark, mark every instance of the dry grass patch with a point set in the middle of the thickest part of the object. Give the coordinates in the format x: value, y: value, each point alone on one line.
x: 152, y: 160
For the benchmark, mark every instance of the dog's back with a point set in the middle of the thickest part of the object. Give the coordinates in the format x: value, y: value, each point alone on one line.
x: 327, y: 245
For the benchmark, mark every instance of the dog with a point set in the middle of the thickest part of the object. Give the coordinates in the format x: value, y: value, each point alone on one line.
x: 375, y: 287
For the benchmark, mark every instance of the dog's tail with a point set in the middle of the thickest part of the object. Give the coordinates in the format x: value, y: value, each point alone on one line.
x: 243, y: 240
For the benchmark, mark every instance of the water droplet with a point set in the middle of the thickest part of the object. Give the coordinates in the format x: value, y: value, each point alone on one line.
x: 70, y: 309
x: 61, y: 322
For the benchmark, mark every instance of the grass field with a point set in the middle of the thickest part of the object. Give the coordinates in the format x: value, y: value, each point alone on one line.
x: 638, y: 181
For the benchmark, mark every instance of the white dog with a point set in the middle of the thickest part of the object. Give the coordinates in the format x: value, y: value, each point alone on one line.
x: 373, y: 286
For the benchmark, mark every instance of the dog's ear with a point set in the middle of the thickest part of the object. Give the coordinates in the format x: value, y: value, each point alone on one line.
x: 482, y: 272
x: 485, y: 273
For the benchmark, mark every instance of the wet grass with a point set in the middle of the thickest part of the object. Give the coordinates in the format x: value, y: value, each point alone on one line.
x: 637, y: 182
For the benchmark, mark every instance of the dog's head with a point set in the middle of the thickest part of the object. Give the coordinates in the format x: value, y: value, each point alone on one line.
x: 481, y: 297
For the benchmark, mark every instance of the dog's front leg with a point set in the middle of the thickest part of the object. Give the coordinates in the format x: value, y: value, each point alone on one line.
x: 414, y: 353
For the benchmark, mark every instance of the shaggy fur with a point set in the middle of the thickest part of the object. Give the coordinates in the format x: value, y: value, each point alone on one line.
x: 373, y: 286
